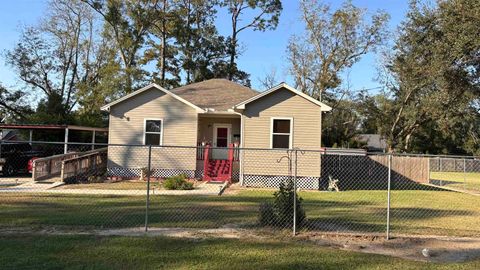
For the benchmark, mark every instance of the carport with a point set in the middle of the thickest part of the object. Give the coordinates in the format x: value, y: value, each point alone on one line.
x: 66, y: 128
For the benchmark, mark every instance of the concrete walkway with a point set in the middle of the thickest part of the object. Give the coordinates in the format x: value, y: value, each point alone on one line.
x: 13, y: 181
x: 32, y: 187
x: 39, y: 187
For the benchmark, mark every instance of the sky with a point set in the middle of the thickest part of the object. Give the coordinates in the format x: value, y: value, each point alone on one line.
x: 263, y: 52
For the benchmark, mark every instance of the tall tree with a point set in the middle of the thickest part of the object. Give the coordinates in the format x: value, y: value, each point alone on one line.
x: 267, y: 14
x: 55, y: 56
x: 433, y: 78
x: 197, y: 38
x: 333, y: 41
x: 160, y: 48
x: 129, y: 24
x: 13, y: 105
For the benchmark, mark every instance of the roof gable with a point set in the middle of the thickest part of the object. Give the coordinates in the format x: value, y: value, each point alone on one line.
x: 322, y: 105
x: 148, y: 87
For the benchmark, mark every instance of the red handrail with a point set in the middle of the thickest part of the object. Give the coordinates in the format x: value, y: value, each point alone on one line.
x: 206, y: 159
x: 231, y: 157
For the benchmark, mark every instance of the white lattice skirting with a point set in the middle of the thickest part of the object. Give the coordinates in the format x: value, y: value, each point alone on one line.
x: 157, y: 173
x: 273, y: 181
x: 160, y: 173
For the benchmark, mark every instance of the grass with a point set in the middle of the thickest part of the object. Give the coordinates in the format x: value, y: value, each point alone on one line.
x: 413, y: 211
x: 93, y: 252
x: 460, y: 180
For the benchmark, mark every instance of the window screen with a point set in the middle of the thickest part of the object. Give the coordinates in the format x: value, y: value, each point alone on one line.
x: 281, y: 133
x: 153, y: 132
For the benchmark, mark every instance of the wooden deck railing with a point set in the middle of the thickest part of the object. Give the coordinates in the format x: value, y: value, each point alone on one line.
x: 49, y: 167
x: 78, y: 169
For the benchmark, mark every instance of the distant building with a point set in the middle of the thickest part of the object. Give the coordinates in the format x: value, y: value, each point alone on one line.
x: 373, y: 142
x: 10, y: 135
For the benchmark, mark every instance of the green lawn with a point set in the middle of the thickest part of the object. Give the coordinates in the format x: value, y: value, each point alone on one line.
x: 413, y: 211
x: 93, y: 252
x: 460, y: 180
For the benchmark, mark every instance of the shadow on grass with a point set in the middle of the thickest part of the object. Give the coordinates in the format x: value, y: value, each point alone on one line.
x: 356, y: 219
x: 124, y: 211
x: 343, y: 213
x: 60, y: 252
x: 439, y: 182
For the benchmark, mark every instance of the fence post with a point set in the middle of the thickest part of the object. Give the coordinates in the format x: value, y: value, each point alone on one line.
x: 464, y: 174
x: 295, y: 195
x: 388, y: 193
x: 148, y: 186
x: 440, y: 169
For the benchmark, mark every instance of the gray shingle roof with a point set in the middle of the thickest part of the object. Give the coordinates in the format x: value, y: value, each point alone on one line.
x: 218, y: 94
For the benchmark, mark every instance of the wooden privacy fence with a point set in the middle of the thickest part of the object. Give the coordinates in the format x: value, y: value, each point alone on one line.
x: 80, y: 168
x: 371, y: 171
x: 415, y: 169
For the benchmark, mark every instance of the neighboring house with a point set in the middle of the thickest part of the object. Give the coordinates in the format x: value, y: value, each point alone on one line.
x: 219, y: 113
x: 9, y: 135
x: 373, y: 142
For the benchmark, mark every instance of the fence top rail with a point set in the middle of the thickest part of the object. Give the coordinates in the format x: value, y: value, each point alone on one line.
x: 427, y: 156
x: 320, y: 151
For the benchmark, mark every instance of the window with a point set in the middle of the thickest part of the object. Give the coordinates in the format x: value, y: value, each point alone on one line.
x: 281, y: 133
x: 153, y: 132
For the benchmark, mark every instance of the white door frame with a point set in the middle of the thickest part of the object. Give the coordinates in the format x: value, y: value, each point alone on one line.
x: 229, y: 133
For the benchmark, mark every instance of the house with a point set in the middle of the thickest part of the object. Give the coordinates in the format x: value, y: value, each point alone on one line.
x: 221, y: 114
x: 373, y: 142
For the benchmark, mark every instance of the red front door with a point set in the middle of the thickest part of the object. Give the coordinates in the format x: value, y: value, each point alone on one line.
x: 222, y: 137
x: 221, y: 134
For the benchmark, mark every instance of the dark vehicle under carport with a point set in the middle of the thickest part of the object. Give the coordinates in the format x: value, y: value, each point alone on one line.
x: 14, y: 158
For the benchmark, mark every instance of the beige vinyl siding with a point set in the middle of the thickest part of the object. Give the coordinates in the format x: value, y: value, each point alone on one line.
x: 306, y: 133
x: 126, y: 126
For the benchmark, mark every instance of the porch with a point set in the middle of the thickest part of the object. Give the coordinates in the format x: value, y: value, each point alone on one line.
x: 218, y: 142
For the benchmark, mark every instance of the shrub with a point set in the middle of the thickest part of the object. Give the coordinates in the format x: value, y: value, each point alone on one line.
x: 266, y: 215
x: 279, y: 213
x: 177, y: 182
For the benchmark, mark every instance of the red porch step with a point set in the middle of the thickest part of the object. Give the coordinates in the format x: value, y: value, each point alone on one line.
x: 218, y: 169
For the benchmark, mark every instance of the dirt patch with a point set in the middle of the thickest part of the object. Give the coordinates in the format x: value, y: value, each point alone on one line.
x: 419, y: 248
x: 229, y: 233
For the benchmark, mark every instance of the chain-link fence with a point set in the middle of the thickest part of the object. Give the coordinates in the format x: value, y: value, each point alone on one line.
x: 121, y: 186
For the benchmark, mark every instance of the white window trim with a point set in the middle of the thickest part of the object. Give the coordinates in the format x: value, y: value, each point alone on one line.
x: 290, y: 138
x: 145, y: 129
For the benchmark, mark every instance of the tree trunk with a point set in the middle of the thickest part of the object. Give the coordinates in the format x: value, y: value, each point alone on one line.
x: 164, y: 44
x: 233, y: 44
